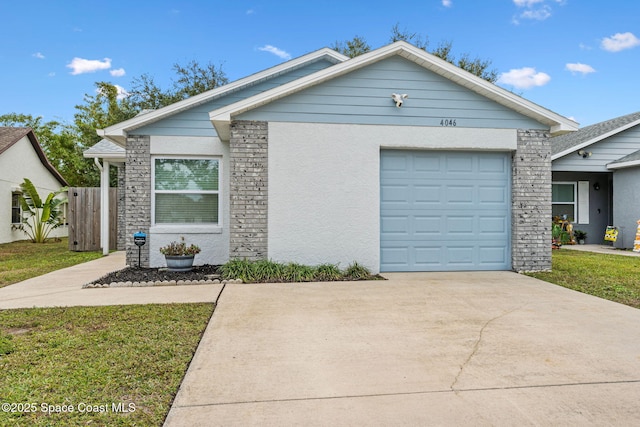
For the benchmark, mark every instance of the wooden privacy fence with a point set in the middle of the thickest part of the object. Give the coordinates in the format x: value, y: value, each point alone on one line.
x: 84, y: 219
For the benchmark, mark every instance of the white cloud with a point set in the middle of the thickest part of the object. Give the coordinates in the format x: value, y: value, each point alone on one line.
x: 537, y: 14
x: 251, y: 12
x: 277, y: 52
x: 524, y: 78
x: 447, y: 3
x: 526, y: 3
x: 122, y: 93
x: 620, y: 41
x: 119, y: 72
x: 82, y: 66
x: 580, y: 68
x: 51, y: 74
x: 536, y: 10
x: 38, y: 55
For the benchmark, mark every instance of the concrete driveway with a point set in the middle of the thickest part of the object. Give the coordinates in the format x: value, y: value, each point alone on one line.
x: 418, y: 349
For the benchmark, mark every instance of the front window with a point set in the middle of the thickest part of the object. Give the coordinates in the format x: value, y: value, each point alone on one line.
x: 186, y: 191
x: 563, y: 199
x: 16, y: 211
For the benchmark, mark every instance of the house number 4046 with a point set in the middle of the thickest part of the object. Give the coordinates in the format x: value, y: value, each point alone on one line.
x: 448, y: 122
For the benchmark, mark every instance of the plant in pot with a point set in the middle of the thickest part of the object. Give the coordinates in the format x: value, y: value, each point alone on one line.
x: 179, y: 256
x: 580, y: 236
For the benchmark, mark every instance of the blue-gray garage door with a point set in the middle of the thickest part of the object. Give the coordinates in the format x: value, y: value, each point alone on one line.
x: 445, y: 211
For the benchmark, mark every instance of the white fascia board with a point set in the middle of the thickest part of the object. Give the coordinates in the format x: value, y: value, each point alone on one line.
x: 623, y: 165
x: 556, y: 122
x: 118, y: 132
x: 594, y: 140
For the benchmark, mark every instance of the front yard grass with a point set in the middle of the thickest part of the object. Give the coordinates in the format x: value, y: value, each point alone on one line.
x: 23, y: 260
x: 113, y: 365
x: 613, y: 277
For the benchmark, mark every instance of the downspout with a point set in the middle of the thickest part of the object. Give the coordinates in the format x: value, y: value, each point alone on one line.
x: 104, y: 204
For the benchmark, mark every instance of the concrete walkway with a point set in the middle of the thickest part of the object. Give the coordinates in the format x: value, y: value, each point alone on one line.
x: 492, y: 348
x: 601, y: 249
x: 63, y: 288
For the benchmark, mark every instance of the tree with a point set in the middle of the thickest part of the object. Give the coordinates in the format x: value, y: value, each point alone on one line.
x: 479, y: 67
x: 58, y: 141
x: 39, y: 218
x: 352, y: 48
x: 192, y: 80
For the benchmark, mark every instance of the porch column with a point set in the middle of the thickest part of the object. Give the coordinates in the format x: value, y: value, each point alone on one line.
x: 104, y: 207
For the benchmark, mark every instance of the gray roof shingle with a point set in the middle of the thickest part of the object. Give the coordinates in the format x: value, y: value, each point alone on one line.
x: 593, y: 133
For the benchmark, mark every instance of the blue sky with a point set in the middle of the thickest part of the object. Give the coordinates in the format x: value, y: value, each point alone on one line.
x: 578, y: 58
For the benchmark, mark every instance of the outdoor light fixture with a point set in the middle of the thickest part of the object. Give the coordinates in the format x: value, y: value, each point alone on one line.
x: 584, y: 154
x: 399, y: 98
x: 596, y: 186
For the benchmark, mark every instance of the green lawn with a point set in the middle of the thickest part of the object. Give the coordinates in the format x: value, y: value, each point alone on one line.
x: 613, y: 277
x: 22, y: 260
x: 115, y: 365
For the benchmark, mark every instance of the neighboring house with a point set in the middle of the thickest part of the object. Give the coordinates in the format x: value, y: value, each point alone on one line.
x: 596, y: 178
x: 312, y: 161
x: 22, y: 157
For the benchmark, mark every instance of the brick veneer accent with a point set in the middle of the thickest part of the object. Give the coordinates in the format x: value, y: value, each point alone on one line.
x: 531, y: 202
x: 248, y: 189
x: 122, y: 209
x: 138, y: 196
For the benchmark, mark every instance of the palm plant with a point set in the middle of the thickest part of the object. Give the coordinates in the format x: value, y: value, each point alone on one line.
x: 39, y: 217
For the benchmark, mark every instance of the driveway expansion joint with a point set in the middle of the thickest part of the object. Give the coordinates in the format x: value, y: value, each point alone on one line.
x: 410, y: 393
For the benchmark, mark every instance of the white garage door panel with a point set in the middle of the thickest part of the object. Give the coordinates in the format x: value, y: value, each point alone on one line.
x: 445, y: 211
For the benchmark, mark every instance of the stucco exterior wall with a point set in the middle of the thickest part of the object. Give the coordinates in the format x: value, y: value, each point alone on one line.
x: 324, y: 185
x: 626, y: 205
x: 18, y: 162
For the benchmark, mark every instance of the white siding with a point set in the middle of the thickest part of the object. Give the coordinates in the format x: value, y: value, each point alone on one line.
x: 16, y: 163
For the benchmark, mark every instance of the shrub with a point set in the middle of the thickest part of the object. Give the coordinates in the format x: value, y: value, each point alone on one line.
x: 271, y: 271
x: 327, y: 272
x: 356, y: 271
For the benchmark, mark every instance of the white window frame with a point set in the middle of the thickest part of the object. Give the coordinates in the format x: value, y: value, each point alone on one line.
x: 200, y: 227
x: 575, y: 198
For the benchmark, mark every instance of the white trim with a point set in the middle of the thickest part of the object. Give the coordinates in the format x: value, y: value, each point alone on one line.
x: 592, y: 141
x: 623, y: 165
x: 188, y: 227
x: 575, y: 197
x: 221, y: 117
x: 117, y: 133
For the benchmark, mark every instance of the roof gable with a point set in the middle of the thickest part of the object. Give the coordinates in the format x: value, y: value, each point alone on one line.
x: 117, y: 133
x: 569, y: 143
x: 11, y: 135
x: 221, y: 118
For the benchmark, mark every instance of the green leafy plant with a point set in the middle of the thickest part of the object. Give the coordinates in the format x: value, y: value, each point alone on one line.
x: 328, y: 273
x: 40, y: 218
x: 179, y: 249
x: 262, y: 271
x: 356, y: 271
x: 580, y: 234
